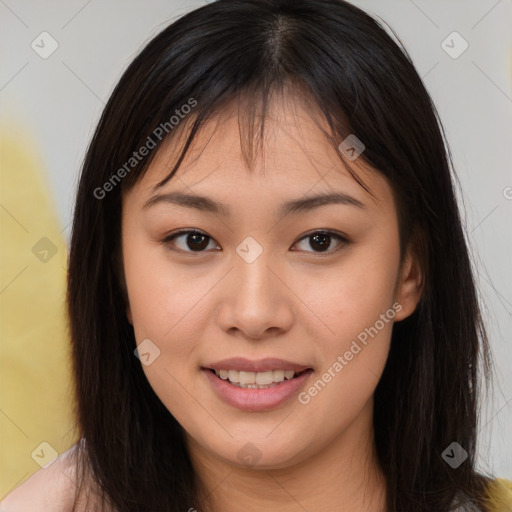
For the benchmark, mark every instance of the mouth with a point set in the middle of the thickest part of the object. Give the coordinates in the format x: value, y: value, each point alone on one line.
x: 257, y: 380
x: 256, y: 391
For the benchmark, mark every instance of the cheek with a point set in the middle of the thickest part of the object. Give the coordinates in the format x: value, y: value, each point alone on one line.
x: 163, y: 298
x: 355, y: 303
x: 165, y: 303
x: 353, y: 294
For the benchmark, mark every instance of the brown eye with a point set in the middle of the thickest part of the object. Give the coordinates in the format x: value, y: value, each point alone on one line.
x: 191, y: 241
x: 320, y: 241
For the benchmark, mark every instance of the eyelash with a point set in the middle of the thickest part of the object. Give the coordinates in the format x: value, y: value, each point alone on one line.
x: 341, y: 238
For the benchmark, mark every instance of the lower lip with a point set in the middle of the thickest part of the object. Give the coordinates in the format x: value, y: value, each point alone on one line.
x: 257, y: 400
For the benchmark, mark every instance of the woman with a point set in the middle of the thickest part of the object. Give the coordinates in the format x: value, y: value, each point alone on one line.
x: 270, y: 296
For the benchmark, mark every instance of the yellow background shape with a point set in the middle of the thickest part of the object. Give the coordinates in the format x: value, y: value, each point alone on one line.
x: 35, y: 367
x: 500, y: 495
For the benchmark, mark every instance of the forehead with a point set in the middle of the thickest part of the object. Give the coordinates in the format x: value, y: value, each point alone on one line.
x: 294, y: 157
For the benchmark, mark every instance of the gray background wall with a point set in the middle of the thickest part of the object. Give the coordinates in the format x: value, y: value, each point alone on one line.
x: 59, y: 100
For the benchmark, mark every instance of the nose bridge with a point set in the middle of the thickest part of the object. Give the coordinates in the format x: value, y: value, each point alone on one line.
x: 257, y: 299
x: 252, y: 270
x: 254, y: 280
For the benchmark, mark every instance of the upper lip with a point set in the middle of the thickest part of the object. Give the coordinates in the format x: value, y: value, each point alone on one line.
x: 259, y: 365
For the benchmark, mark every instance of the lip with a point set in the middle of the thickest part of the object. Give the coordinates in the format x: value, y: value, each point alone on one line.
x: 260, y: 365
x: 256, y: 400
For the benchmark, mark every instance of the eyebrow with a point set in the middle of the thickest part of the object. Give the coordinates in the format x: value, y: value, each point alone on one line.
x: 206, y: 204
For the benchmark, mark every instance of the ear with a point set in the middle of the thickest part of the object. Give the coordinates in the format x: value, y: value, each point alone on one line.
x: 410, y: 284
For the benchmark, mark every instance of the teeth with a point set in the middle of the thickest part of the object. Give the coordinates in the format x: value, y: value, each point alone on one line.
x: 264, y: 378
x: 248, y: 378
x: 253, y: 386
x: 255, y: 379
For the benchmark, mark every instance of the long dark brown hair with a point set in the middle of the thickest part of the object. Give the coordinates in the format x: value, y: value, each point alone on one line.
x: 362, y: 82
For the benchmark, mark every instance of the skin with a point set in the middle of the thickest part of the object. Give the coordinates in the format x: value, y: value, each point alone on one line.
x: 51, y: 489
x: 293, y: 302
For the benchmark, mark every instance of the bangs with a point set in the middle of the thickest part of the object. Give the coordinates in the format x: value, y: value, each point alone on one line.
x: 252, y: 107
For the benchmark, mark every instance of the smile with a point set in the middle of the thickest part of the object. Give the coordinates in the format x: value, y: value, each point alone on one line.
x: 277, y: 387
x: 255, y: 380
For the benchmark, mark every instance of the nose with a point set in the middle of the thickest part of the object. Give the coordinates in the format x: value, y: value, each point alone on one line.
x: 257, y: 302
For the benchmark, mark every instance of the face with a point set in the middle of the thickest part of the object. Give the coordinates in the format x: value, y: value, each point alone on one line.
x: 259, y: 273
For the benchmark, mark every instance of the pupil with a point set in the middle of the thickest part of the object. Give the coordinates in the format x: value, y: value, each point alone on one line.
x: 322, y: 241
x: 197, y: 240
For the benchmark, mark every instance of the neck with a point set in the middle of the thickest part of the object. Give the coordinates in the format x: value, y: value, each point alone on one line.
x: 344, y: 476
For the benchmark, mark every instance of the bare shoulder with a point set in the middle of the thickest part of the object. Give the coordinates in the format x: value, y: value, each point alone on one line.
x: 51, y: 489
